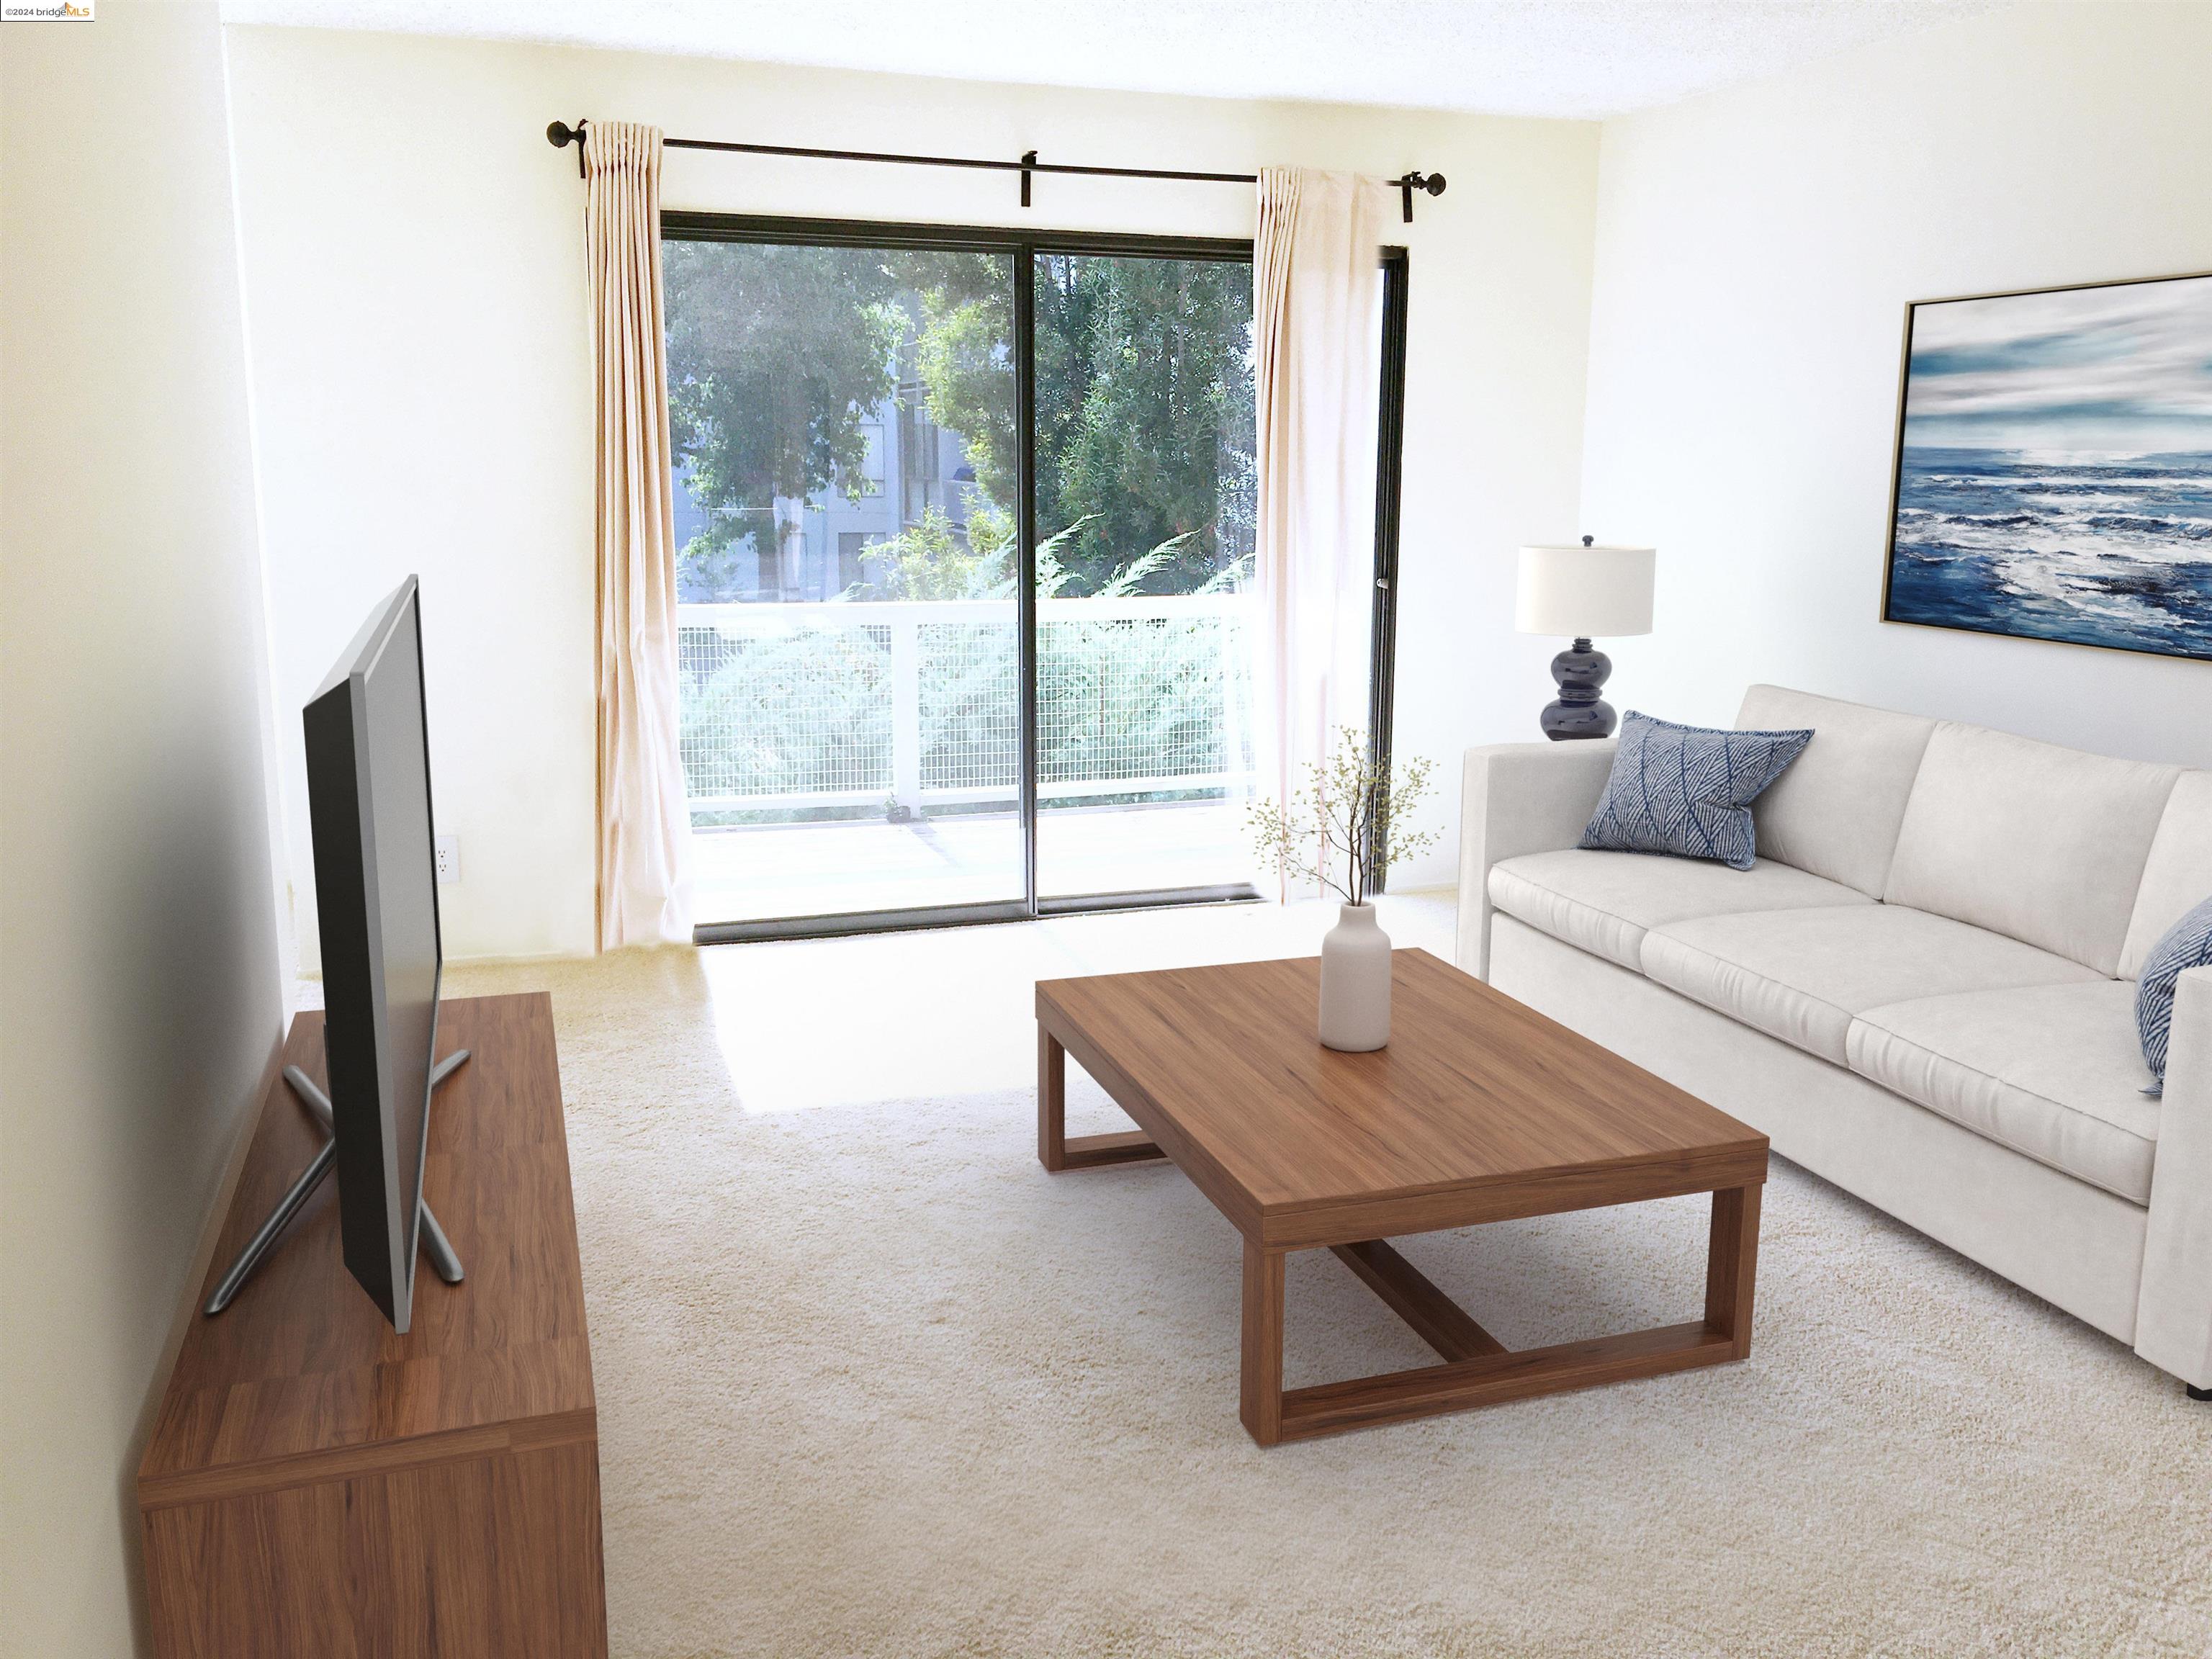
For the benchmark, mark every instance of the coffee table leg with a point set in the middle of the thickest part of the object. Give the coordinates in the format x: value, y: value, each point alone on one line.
x: 1054, y: 1150
x: 1488, y: 1374
x: 1731, y: 1265
x: 1052, y: 1101
x: 1261, y: 1397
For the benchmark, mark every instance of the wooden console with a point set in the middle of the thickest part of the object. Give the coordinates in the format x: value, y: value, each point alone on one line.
x: 317, y: 1483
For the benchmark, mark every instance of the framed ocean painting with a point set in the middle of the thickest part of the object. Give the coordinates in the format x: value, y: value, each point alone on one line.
x: 2054, y: 466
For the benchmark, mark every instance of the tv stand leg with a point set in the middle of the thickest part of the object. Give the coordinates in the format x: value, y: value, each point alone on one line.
x: 436, y: 1246
x: 433, y: 1241
x: 258, y: 1246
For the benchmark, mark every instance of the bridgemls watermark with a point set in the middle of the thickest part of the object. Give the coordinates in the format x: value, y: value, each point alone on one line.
x: 45, y: 11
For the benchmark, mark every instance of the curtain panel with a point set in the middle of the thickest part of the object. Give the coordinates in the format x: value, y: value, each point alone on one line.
x: 644, y: 842
x: 1316, y: 309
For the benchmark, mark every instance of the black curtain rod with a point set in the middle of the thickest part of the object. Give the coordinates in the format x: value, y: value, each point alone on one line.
x: 560, y: 134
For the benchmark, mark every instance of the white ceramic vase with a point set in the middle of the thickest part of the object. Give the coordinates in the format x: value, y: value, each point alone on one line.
x: 1355, y: 981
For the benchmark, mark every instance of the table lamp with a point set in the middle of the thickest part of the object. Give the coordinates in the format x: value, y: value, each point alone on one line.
x: 1584, y: 593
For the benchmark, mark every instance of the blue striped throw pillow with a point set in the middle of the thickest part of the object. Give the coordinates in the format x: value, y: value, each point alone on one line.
x: 2187, y: 943
x: 1688, y: 789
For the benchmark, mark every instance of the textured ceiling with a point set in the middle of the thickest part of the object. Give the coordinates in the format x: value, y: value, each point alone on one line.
x: 1559, y: 58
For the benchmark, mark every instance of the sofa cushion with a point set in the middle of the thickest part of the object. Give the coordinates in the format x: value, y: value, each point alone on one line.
x: 1836, y: 813
x: 1687, y: 789
x: 2048, y: 1070
x: 1603, y: 903
x: 2178, y: 873
x: 1802, y: 975
x: 2042, y: 843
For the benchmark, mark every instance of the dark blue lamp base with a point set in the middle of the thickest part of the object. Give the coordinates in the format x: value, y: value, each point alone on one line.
x: 1579, y: 712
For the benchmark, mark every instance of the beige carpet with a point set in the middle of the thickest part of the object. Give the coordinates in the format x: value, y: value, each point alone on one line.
x: 872, y: 1384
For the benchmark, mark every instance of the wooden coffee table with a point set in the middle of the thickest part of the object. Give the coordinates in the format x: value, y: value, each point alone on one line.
x: 1480, y: 1110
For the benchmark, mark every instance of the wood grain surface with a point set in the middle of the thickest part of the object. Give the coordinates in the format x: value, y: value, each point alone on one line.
x: 1479, y: 1110
x: 493, y: 1556
x: 1055, y: 1150
x: 1495, y: 1379
x: 1407, y: 1291
x: 316, y: 1482
x: 303, y: 1366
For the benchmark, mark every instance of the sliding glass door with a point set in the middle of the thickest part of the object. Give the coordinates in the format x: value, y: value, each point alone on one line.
x: 965, y: 530
x: 846, y: 576
x: 1143, y: 490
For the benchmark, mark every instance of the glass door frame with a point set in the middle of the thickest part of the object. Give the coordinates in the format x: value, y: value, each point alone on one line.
x: 1023, y: 245
x: 1389, y: 479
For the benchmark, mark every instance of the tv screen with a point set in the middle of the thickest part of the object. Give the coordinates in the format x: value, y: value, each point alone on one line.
x: 376, y: 893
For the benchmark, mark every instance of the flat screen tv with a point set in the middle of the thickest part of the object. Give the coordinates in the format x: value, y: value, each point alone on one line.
x: 376, y: 890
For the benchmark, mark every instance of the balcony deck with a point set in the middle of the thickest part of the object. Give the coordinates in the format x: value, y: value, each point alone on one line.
x: 765, y: 871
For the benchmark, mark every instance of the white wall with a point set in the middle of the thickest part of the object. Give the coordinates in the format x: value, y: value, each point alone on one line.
x: 414, y: 274
x: 1755, y: 251
x: 141, y: 995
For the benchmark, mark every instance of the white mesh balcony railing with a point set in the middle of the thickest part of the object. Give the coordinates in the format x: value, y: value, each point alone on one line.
x: 790, y: 707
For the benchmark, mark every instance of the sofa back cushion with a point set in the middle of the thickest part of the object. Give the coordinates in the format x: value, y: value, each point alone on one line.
x: 2045, y: 844
x: 1837, y: 812
x: 2177, y: 875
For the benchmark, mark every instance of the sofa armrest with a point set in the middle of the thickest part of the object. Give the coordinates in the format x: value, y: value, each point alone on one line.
x: 1519, y: 797
x: 2174, y: 1319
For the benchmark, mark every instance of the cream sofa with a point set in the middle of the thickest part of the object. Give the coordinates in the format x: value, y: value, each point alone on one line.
x: 1924, y: 992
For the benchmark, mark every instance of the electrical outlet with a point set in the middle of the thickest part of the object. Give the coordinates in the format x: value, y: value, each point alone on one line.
x: 448, y: 851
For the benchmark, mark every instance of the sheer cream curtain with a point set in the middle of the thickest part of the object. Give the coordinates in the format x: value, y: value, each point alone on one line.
x: 644, y: 893
x: 1316, y: 308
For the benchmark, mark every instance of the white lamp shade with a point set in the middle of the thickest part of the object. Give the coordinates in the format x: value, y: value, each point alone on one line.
x: 1585, y: 592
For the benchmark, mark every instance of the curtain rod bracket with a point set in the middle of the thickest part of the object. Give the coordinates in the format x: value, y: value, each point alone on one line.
x: 1431, y: 182
x: 1029, y: 162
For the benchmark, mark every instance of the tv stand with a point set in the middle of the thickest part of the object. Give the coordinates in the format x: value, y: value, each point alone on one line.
x: 316, y: 1482
x: 436, y: 1245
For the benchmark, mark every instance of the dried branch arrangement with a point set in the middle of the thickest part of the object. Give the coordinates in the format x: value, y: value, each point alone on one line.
x: 1347, y: 827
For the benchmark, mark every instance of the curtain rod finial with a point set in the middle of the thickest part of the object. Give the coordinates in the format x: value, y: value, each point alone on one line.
x: 560, y: 135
